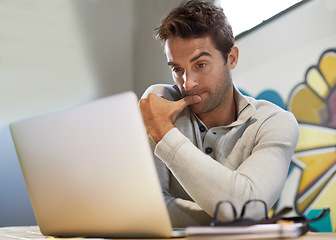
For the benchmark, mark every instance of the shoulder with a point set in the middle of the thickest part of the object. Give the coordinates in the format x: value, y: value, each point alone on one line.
x: 268, y: 109
x: 169, y: 92
x: 272, y: 116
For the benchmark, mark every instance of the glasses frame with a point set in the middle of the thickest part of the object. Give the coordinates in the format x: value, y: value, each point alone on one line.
x: 217, y: 222
x: 241, y: 221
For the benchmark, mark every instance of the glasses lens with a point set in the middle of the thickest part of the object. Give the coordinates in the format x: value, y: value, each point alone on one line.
x: 225, y: 211
x: 254, y: 209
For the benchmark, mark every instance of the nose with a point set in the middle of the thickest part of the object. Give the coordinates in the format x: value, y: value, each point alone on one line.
x: 189, y: 81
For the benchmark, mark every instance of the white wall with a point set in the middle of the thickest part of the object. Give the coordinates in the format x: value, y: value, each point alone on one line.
x: 58, y: 53
x: 43, y: 65
x: 150, y: 64
x: 276, y: 55
x: 15, y: 207
x: 107, y: 30
x: 55, y: 54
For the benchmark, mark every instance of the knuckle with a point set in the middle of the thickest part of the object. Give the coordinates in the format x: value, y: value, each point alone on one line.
x: 142, y: 102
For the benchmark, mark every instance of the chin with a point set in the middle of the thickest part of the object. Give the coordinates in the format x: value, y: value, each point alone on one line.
x: 197, y: 108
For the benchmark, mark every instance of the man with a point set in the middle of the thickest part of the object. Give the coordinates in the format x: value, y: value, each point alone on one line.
x: 210, y: 142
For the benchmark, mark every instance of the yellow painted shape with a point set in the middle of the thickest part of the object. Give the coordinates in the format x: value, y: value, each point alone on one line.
x: 328, y: 68
x: 311, y: 138
x: 306, y: 106
x: 327, y: 198
x: 304, y: 204
x: 317, y: 83
x: 316, y: 165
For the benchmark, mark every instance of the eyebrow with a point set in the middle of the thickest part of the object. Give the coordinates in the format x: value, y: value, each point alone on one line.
x: 200, y: 55
x: 193, y: 59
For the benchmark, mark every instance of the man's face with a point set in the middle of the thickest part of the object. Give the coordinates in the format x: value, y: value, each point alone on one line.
x: 198, y: 68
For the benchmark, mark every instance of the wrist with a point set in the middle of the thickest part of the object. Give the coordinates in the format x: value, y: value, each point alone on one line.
x: 159, y: 134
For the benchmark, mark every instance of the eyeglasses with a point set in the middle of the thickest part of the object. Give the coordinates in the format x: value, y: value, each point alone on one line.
x: 243, y: 221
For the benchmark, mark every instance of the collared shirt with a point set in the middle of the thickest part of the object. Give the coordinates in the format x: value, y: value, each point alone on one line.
x: 247, y: 159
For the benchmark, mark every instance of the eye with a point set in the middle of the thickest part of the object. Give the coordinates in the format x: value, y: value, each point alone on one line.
x: 201, y: 65
x: 177, y: 69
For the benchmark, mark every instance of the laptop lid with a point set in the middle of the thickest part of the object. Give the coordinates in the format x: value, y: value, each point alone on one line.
x: 90, y: 172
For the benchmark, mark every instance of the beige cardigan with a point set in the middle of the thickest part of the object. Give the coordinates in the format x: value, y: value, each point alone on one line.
x: 248, y: 159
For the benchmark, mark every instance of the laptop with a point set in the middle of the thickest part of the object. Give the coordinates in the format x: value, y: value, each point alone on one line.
x: 89, y: 171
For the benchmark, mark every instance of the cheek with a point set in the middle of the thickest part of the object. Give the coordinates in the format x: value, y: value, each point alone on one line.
x: 219, y: 74
x: 177, y: 81
x: 207, y: 77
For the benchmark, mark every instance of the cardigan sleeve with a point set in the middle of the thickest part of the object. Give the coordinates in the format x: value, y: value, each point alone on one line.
x: 260, y: 176
x: 182, y: 212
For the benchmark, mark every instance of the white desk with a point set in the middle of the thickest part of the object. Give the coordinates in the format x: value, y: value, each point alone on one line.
x: 33, y: 232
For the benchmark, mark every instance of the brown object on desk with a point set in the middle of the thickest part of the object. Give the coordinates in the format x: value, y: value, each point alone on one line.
x: 33, y: 232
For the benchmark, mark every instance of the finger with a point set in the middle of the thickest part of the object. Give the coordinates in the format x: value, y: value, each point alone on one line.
x: 189, y: 100
x: 159, y: 95
x: 156, y: 96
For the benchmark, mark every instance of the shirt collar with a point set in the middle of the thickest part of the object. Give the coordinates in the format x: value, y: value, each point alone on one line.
x: 245, y: 108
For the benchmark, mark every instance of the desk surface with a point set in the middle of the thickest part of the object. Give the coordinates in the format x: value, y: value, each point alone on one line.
x: 33, y: 232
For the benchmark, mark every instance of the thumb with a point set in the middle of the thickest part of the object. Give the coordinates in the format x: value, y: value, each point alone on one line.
x: 189, y: 100
x: 183, y: 103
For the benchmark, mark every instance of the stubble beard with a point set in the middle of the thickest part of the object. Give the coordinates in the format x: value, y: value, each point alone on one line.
x: 216, y: 97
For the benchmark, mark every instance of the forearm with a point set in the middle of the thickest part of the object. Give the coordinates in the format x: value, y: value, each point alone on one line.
x: 207, y: 181
x: 182, y: 212
x: 185, y: 213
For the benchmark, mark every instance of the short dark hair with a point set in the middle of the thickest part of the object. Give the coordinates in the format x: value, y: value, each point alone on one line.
x: 195, y: 19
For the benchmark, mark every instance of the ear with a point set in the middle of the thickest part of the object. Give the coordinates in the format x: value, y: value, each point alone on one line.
x: 232, y: 59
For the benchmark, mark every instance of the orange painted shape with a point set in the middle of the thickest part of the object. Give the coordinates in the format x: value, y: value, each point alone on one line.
x: 316, y: 166
x: 306, y: 106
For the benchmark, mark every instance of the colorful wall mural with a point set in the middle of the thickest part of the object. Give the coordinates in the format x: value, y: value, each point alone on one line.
x: 311, y: 183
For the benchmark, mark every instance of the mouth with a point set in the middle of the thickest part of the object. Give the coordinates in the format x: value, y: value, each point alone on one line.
x: 201, y: 95
x: 196, y: 99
